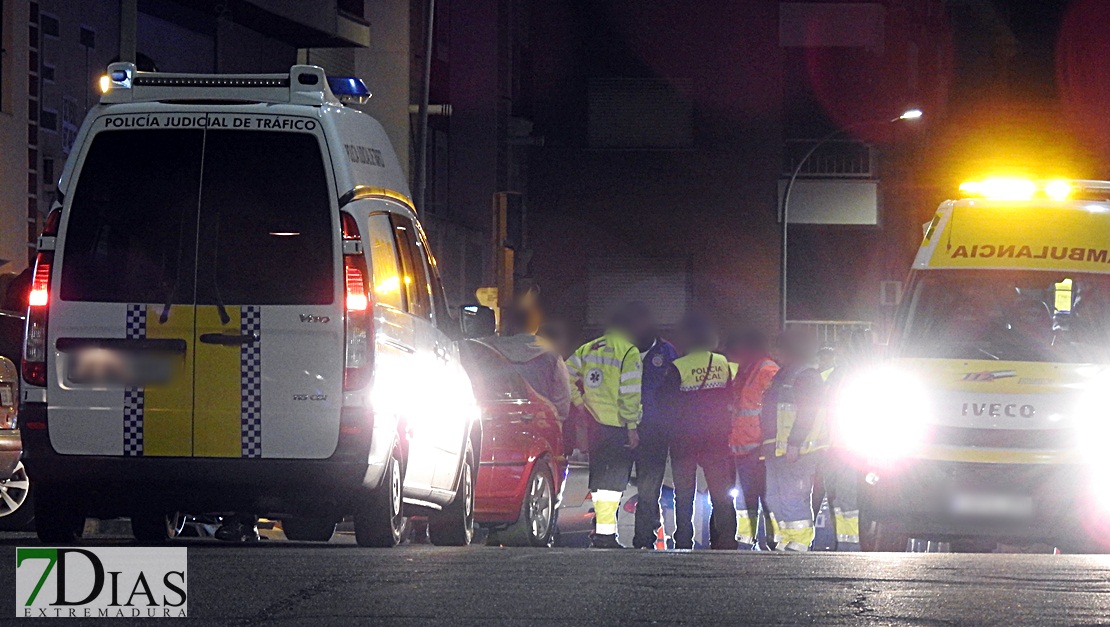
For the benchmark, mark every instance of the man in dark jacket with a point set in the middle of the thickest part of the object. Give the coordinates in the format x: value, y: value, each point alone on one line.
x: 655, y: 426
x: 697, y: 392
x: 793, y: 432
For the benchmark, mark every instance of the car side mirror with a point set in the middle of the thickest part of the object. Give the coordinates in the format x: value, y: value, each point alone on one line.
x: 477, y: 321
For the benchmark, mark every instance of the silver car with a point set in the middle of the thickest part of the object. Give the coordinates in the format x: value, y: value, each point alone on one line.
x: 16, y: 510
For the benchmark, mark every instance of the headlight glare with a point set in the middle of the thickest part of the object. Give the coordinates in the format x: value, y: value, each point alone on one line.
x: 882, y: 414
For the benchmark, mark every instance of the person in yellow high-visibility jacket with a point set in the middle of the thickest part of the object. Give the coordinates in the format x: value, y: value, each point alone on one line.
x: 605, y: 377
x: 794, y: 431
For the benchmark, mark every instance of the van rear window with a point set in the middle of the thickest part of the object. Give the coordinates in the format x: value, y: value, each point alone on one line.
x: 260, y: 206
x: 266, y: 233
x: 132, y: 222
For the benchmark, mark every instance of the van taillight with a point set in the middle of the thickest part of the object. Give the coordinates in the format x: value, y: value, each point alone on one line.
x: 356, y: 288
x: 34, y: 337
x: 358, y: 314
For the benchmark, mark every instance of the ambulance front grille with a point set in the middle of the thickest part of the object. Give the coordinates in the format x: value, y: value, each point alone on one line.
x: 1033, y: 439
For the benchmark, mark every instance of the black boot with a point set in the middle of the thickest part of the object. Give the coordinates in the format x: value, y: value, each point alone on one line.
x: 605, y: 541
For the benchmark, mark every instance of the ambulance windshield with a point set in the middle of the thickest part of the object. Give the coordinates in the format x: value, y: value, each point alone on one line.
x: 1009, y: 316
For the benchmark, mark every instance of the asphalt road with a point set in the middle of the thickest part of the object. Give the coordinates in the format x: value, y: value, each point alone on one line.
x: 278, y: 583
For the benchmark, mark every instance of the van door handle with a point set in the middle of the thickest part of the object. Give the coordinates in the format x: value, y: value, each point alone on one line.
x: 224, y: 339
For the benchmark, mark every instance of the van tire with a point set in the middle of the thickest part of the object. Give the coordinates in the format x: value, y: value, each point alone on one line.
x: 379, y: 515
x: 308, y: 529
x: 156, y: 527
x: 454, y: 524
x: 57, y: 517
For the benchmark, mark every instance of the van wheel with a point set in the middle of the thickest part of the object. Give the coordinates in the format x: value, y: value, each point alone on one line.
x: 379, y: 519
x: 536, y: 524
x: 454, y: 525
x: 57, y: 517
x: 308, y: 529
x: 155, y: 527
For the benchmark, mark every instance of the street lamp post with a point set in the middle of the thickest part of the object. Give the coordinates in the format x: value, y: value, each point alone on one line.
x: 911, y: 114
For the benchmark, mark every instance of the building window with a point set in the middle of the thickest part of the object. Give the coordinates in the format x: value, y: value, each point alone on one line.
x: 48, y: 120
x: 50, y: 25
x: 47, y: 72
x: 48, y: 172
x: 88, y: 37
x: 353, y: 8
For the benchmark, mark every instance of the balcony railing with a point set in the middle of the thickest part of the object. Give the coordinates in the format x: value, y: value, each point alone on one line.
x: 834, y: 159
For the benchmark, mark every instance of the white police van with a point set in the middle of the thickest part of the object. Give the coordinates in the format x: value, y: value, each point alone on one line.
x: 234, y: 309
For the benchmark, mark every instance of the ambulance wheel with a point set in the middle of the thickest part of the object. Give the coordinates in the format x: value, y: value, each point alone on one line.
x: 308, y: 529
x: 57, y: 517
x: 536, y: 524
x: 882, y: 537
x: 379, y: 517
x: 454, y: 525
x: 156, y: 527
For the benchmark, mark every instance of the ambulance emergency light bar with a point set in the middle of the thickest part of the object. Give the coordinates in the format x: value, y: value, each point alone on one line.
x: 1016, y: 188
x: 304, y: 84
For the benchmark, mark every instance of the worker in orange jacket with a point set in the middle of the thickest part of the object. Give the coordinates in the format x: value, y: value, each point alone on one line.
x: 753, y: 369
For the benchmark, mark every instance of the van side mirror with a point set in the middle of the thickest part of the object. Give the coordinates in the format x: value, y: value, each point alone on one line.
x: 477, y: 321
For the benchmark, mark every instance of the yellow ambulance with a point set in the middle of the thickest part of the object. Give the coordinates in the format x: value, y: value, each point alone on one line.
x: 990, y: 420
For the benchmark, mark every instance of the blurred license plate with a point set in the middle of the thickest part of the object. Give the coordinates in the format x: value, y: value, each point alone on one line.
x: 100, y: 366
x: 986, y: 505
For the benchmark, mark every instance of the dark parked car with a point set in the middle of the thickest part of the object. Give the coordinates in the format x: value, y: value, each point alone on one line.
x: 522, y: 468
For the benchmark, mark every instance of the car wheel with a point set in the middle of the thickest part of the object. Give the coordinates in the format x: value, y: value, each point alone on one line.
x: 156, y: 527
x: 454, y: 525
x: 58, y: 519
x: 16, y: 507
x: 536, y: 524
x: 306, y: 529
x: 379, y: 519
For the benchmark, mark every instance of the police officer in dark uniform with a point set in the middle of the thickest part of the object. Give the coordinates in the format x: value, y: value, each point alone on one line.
x: 655, y: 426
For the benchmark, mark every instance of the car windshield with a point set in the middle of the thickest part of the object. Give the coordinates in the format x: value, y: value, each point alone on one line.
x: 1009, y: 316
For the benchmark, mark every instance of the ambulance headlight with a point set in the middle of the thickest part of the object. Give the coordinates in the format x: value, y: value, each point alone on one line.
x: 1090, y: 428
x: 1092, y: 424
x: 881, y: 414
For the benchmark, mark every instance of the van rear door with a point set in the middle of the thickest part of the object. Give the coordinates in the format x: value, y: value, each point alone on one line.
x: 269, y: 332
x: 199, y: 309
x: 121, y: 379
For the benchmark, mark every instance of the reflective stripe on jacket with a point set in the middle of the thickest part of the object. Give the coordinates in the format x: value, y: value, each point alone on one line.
x: 749, y: 387
x: 793, y: 411
x: 605, y: 378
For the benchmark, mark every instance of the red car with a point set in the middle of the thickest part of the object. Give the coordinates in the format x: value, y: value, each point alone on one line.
x: 522, y: 469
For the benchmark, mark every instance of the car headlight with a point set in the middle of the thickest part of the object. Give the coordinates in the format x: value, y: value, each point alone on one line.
x: 882, y: 414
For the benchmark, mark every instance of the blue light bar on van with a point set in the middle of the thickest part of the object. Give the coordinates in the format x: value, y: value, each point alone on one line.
x: 349, y: 89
